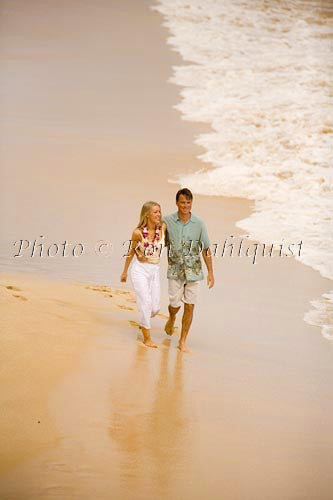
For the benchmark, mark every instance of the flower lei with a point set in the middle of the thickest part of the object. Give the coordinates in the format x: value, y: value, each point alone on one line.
x: 153, y: 246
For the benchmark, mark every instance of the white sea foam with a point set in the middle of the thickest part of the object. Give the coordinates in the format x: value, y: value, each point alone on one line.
x: 322, y: 315
x: 260, y: 73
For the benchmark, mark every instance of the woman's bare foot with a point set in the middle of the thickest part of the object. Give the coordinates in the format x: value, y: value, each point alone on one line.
x: 146, y: 337
x: 169, y: 328
x: 149, y: 343
x: 183, y: 348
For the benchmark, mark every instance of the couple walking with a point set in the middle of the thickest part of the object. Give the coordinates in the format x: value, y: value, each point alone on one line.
x: 186, y: 237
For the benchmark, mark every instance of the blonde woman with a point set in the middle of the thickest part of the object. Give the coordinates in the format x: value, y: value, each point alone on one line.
x: 147, y: 242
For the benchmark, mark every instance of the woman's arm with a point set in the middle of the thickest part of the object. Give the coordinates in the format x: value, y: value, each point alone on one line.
x: 136, y: 238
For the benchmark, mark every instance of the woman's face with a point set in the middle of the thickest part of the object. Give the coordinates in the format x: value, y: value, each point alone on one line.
x: 155, y: 214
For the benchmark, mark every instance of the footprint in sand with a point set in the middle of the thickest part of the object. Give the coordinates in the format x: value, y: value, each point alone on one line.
x: 103, y: 289
x: 107, y: 289
x: 133, y: 301
x: 125, y: 307
x: 122, y: 292
x: 134, y: 323
x: 11, y: 287
x: 100, y: 288
x: 20, y: 297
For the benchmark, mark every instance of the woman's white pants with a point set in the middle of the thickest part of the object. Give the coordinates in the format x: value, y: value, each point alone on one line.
x: 146, y: 282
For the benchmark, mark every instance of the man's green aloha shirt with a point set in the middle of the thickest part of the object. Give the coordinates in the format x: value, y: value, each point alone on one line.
x: 185, y: 243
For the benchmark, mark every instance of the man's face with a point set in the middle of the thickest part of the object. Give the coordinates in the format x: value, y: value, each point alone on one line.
x: 184, y: 205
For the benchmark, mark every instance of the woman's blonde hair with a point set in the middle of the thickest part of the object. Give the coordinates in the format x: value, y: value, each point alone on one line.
x: 145, y: 210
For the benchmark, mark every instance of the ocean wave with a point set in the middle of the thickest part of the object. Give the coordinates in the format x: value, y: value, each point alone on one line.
x: 260, y: 73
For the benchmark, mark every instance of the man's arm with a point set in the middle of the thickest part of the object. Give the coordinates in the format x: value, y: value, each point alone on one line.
x: 207, y: 257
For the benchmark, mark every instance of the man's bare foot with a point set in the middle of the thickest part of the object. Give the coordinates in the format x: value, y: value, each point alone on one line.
x: 149, y: 343
x: 169, y: 328
x: 183, y: 348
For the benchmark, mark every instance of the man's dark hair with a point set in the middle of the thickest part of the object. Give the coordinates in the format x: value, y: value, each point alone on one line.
x: 186, y: 192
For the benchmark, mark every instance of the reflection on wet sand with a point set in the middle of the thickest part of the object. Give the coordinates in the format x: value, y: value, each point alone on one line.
x: 149, y: 422
x: 149, y: 428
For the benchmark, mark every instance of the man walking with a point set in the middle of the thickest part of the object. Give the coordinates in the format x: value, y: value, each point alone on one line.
x: 186, y: 238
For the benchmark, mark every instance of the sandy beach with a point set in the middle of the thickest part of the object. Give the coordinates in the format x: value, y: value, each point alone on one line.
x: 89, y: 411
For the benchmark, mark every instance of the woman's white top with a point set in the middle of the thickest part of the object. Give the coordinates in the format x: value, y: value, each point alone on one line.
x: 152, y: 251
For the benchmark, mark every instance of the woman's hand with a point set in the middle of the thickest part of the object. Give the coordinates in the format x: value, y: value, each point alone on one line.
x: 123, y: 277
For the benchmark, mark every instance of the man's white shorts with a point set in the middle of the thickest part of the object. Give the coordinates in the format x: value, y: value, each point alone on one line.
x: 182, y: 291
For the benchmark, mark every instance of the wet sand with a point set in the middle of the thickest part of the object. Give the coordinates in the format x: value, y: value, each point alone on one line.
x: 92, y: 413
x: 90, y: 410
x: 45, y: 328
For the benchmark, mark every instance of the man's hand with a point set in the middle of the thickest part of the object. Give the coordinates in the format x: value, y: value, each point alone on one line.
x: 210, y: 280
x: 207, y: 257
